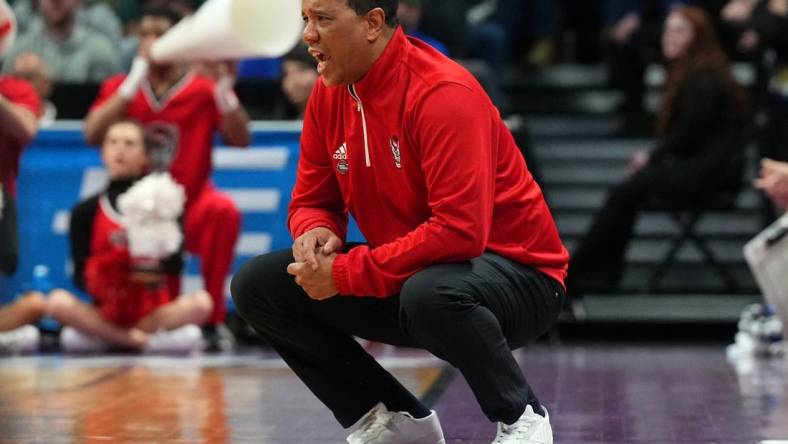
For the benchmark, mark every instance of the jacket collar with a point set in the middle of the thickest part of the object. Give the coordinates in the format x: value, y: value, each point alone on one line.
x: 383, y: 69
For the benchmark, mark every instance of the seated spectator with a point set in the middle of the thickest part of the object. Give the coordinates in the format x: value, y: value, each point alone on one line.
x: 100, y: 17
x: 770, y: 23
x: 72, y: 51
x: 541, y: 21
x: 487, y: 36
x: 299, y: 74
x: 473, y: 32
x: 409, y: 15
x: 96, y: 15
x: 633, y: 41
x: 763, y: 28
x: 702, y: 125
x: 735, y: 19
x: 29, y: 66
x: 131, y: 309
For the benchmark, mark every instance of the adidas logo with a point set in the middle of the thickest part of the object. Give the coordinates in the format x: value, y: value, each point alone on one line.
x: 341, y: 152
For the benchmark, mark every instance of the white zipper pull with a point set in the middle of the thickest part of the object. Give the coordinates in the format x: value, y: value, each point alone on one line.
x: 360, y: 108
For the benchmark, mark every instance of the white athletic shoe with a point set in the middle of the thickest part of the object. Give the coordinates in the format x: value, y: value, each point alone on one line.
x: 74, y: 341
x: 531, y: 428
x: 381, y: 426
x: 24, y: 339
x: 184, y: 339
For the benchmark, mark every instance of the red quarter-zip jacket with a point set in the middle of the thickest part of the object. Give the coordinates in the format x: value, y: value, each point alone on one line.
x: 419, y: 155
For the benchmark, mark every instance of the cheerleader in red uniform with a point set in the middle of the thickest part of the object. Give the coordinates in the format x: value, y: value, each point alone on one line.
x: 131, y: 308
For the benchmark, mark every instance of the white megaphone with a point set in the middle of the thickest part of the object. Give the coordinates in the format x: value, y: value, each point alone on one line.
x: 7, y: 28
x: 232, y: 29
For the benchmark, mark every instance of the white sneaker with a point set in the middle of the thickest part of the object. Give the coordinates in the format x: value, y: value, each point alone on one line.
x: 531, y: 428
x: 24, y: 339
x: 74, y: 341
x: 381, y: 426
x: 185, y: 339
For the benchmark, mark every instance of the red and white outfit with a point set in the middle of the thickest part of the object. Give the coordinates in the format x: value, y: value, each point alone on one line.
x: 108, y: 270
x: 21, y: 93
x: 419, y: 155
x: 212, y: 221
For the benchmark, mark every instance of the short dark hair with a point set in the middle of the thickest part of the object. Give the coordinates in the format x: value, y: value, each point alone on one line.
x: 388, y: 6
x: 163, y: 11
x: 300, y: 54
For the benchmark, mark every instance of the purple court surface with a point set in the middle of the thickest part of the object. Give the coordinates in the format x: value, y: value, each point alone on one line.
x: 602, y: 393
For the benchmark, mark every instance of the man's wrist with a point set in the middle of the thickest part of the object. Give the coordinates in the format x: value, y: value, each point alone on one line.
x: 339, y: 274
x: 314, y: 226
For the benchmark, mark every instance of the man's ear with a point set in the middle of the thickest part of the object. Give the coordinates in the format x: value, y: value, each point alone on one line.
x: 376, y: 24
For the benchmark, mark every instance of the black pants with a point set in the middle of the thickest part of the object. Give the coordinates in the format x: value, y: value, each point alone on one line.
x: 9, y: 237
x: 470, y: 314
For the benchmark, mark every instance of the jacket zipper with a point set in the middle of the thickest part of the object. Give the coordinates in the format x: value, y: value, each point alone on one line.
x: 360, y: 108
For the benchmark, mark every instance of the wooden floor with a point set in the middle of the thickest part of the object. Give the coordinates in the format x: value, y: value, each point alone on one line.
x: 595, y: 394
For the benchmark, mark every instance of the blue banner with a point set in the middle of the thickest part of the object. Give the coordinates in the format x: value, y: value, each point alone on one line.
x: 58, y: 169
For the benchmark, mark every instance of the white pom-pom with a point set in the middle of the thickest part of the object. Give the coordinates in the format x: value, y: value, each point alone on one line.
x: 150, y: 211
x: 155, y: 240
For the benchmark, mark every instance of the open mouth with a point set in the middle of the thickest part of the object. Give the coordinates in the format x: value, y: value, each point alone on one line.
x: 321, y: 58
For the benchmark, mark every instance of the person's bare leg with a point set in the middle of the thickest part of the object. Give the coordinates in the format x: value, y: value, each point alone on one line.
x: 71, y: 311
x: 186, y: 309
x: 26, y: 310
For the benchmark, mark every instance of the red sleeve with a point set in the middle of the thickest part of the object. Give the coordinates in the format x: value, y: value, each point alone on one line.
x: 208, y: 87
x: 108, y: 88
x: 316, y: 199
x: 21, y: 93
x: 453, y: 128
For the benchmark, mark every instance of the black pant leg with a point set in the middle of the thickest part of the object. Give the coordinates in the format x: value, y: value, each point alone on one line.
x: 314, y: 337
x: 9, y: 237
x: 598, y: 260
x: 472, y: 314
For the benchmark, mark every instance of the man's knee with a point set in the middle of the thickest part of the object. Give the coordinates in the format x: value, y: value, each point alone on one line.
x: 243, y: 288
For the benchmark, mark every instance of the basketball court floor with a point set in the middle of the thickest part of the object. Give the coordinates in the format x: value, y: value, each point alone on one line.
x: 595, y: 394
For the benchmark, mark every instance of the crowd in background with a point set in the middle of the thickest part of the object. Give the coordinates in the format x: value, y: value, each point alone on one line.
x: 84, y: 41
